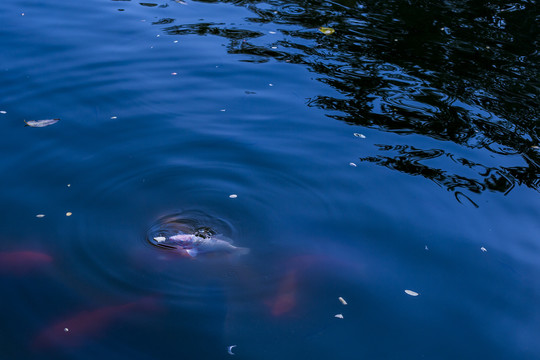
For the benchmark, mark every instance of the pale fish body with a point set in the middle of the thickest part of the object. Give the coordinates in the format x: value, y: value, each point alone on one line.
x: 195, y: 245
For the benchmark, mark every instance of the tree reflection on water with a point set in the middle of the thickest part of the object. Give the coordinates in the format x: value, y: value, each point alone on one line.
x: 461, y: 71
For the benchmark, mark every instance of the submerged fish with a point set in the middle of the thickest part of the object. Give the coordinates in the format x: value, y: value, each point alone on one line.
x: 81, y: 328
x: 23, y: 262
x: 196, y: 245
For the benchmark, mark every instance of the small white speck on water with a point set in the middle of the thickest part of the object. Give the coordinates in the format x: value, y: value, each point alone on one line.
x: 483, y: 249
x: 352, y: 164
x: 114, y: 117
x: 339, y: 316
x: 426, y: 248
x: 272, y: 32
x: 361, y: 136
x: 69, y: 213
x: 40, y: 215
x: 274, y: 47
x: 160, y: 238
x: 412, y: 293
x: 3, y: 112
x: 68, y: 185
x: 66, y: 330
x: 158, y: 35
x: 270, y: 84
x: 233, y: 196
x: 174, y: 73
x: 223, y: 110
x: 175, y: 41
x: 342, y: 300
x: 22, y: 14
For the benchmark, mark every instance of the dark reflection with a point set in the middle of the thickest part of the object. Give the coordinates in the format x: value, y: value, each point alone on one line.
x: 459, y: 71
x: 413, y: 161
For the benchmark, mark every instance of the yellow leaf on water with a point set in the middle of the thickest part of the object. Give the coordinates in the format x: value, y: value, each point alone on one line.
x: 327, y: 30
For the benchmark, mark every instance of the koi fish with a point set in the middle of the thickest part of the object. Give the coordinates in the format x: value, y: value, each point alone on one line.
x: 22, y: 262
x: 194, y: 245
x: 76, y: 330
x: 286, y: 297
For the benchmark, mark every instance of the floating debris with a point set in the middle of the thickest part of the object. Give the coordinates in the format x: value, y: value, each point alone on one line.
x: 229, y: 349
x: 41, y: 123
x: 66, y: 329
x: 175, y: 41
x: 339, y: 316
x: 181, y: 2
x: 361, y: 136
x: 223, y: 110
x: 342, y: 300
x: 174, y: 73
x: 412, y: 293
x: 3, y: 112
x: 272, y: 32
x: 114, y: 117
x: 532, y: 147
x: 69, y: 213
x: 233, y: 196
x: 68, y: 185
x: 160, y: 238
x: 483, y: 249
x: 40, y: 216
x: 327, y: 30
x: 426, y: 248
x: 352, y: 164
x: 270, y: 84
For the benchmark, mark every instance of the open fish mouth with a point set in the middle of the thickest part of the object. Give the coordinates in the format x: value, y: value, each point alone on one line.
x: 195, y: 223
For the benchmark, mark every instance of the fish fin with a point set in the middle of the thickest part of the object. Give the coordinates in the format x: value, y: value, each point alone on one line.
x: 242, y: 251
x: 192, y: 252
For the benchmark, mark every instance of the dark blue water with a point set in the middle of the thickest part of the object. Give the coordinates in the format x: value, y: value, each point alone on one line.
x: 399, y: 152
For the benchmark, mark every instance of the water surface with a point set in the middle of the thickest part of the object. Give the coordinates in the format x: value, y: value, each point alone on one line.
x: 398, y: 153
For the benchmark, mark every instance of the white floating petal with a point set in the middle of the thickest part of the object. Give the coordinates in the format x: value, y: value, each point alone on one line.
x: 160, y: 238
x: 339, y: 316
x: 342, y: 300
x: 40, y: 215
x: 233, y: 196
x: 412, y: 293
x: 41, y: 123
x: 483, y: 249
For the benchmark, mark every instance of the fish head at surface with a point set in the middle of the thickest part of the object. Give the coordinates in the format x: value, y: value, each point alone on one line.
x: 193, y: 234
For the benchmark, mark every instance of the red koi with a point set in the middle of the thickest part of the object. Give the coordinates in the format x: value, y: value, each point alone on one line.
x: 78, y: 329
x: 22, y: 262
x: 286, y: 297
